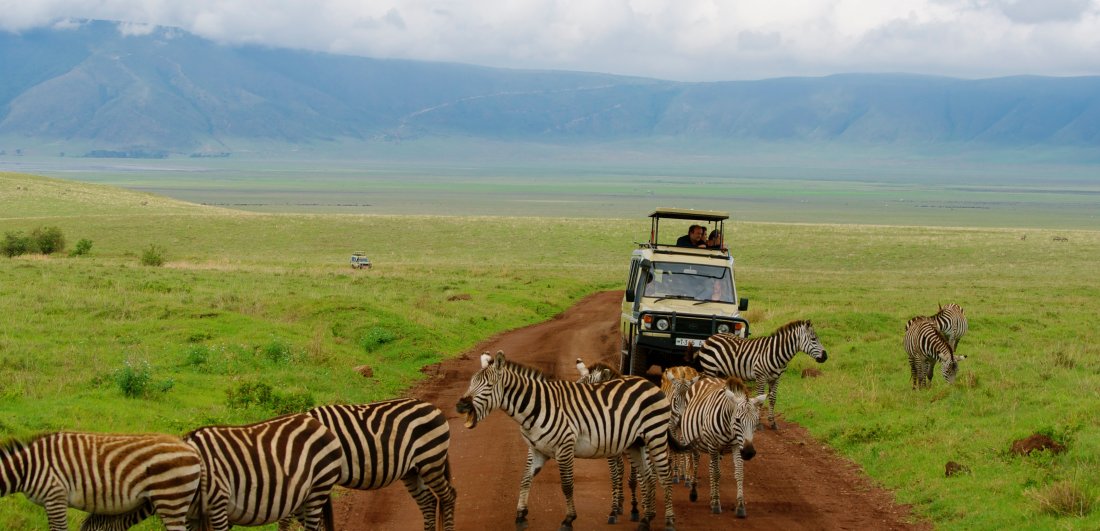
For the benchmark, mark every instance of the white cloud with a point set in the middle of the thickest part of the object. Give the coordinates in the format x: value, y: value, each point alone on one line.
x: 674, y: 39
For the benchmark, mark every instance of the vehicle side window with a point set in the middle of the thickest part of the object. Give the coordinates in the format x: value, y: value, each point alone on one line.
x: 632, y: 281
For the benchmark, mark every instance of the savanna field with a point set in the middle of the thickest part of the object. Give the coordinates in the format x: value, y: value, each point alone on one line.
x: 253, y: 314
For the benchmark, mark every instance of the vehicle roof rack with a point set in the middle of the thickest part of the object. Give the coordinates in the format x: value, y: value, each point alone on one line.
x: 688, y: 213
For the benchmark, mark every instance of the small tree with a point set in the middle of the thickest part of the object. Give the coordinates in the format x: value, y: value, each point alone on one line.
x: 153, y: 256
x: 49, y: 240
x: 15, y: 244
x: 83, y: 247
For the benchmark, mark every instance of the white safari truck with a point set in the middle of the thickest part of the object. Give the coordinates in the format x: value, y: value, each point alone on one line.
x: 675, y: 296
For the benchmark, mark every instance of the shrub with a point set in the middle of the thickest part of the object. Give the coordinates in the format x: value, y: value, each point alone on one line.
x: 259, y: 394
x: 133, y: 378
x: 277, y: 351
x: 153, y: 256
x: 83, y: 247
x: 48, y: 240
x: 15, y: 244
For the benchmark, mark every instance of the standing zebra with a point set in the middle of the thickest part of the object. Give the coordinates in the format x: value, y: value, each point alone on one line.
x: 103, y: 474
x: 562, y: 420
x: 674, y: 379
x: 925, y: 345
x: 762, y: 359
x: 597, y: 373
x: 404, y: 439
x: 264, y: 472
x: 721, y: 417
x: 950, y: 321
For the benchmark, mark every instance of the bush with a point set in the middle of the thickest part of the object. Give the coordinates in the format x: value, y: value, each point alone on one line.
x: 153, y: 256
x: 83, y: 247
x: 376, y: 337
x: 48, y: 240
x: 15, y: 244
x: 134, y: 378
x: 277, y: 351
x: 259, y: 394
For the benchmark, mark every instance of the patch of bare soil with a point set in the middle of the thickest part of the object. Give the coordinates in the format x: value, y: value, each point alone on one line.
x: 794, y: 482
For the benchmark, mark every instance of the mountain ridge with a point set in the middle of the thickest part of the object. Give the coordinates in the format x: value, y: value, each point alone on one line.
x: 168, y: 90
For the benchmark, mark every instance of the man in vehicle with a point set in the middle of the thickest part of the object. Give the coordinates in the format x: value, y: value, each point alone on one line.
x: 696, y: 237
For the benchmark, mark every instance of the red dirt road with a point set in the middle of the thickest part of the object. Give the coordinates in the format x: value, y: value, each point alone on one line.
x: 794, y: 482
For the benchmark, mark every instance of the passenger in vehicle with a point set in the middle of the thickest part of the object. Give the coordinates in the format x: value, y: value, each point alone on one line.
x: 714, y: 241
x: 696, y: 237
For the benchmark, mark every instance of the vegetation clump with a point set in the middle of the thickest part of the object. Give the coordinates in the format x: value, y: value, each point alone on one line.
x: 261, y: 395
x: 153, y: 256
x: 44, y: 240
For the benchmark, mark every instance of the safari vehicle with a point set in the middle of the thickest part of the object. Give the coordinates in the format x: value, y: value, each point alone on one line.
x: 676, y: 297
x: 359, y: 260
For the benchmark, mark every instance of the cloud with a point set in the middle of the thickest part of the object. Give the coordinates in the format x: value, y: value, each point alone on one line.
x: 694, y: 40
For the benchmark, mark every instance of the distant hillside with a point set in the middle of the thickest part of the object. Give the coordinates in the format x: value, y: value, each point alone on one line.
x: 31, y: 196
x: 170, y: 91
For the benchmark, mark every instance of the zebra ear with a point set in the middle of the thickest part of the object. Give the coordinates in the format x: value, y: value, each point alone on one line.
x: 499, y: 358
x: 581, y: 368
x: 957, y: 358
x: 485, y: 360
x: 669, y: 377
x: 758, y: 400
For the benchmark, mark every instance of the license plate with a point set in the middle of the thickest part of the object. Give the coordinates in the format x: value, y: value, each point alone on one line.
x: 685, y: 341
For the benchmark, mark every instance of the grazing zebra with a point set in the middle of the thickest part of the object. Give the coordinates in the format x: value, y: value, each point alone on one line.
x: 564, y: 420
x: 103, y: 474
x: 762, y: 359
x: 721, y: 417
x: 404, y: 439
x: 264, y: 472
x: 950, y: 321
x: 597, y: 373
x: 925, y: 345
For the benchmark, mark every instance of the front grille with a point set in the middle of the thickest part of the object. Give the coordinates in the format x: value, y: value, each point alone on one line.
x: 692, y: 325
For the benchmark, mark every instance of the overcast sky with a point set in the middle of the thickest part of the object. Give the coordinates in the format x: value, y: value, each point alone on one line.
x: 688, y: 40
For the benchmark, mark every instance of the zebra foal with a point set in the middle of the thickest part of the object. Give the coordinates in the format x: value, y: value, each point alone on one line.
x: 563, y: 420
x: 925, y: 345
x: 404, y: 439
x: 950, y: 321
x: 763, y: 359
x: 103, y: 475
x: 721, y: 417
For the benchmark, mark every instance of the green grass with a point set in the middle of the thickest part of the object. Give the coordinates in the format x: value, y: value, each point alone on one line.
x: 248, y: 300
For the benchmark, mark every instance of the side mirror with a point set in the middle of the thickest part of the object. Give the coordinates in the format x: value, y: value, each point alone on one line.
x: 743, y: 305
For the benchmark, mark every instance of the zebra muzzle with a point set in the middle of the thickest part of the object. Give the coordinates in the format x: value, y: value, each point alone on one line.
x: 465, y: 406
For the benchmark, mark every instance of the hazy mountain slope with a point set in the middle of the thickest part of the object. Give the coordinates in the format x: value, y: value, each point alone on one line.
x: 169, y: 90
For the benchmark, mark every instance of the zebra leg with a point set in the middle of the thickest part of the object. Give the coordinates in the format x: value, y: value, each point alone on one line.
x: 615, y: 466
x: 535, y: 461
x: 773, y: 391
x: 57, y: 510
x: 659, y: 454
x: 312, y: 513
x: 425, y: 498
x: 715, y: 477
x: 639, y: 464
x: 565, y: 469
x: 633, y: 494
x: 438, y: 479
x: 739, y: 474
x: 694, y: 495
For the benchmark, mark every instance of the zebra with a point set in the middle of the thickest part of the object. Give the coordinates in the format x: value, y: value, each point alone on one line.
x: 267, y: 471
x: 719, y: 417
x: 562, y: 420
x: 405, y: 439
x: 762, y: 359
x: 925, y: 345
x: 950, y: 321
x: 673, y: 380
x: 596, y: 373
x: 103, y: 474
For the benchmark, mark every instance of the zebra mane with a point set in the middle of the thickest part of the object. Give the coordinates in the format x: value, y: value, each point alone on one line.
x: 737, y: 385
x: 523, y: 370
x: 602, y: 366
x: 14, y: 444
x: 791, y: 326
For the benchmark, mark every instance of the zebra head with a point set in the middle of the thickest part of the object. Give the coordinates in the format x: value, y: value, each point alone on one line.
x: 810, y: 344
x: 677, y: 396
x: 596, y: 373
x: 483, y: 395
x: 951, y: 368
x: 746, y: 412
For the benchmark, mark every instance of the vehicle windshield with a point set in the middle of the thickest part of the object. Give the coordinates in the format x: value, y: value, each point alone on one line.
x: 673, y: 280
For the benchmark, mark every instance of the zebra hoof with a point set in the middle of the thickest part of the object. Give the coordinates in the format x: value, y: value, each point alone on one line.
x: 612, y: 518
x: 741, y: 511
x: 643, y: 526
x: 716, y: 508
x: 670, y: 524
x: 521, y: 524
x: 634, y: 516
x: 694, y: 496
x: 566, y: 527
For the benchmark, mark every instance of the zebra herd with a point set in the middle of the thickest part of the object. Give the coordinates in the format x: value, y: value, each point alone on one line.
x: 278, y: 470
x: 284, y: 469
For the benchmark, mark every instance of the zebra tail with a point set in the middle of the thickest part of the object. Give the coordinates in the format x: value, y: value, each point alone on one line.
x: 326, y: 514
x: 676, y: 445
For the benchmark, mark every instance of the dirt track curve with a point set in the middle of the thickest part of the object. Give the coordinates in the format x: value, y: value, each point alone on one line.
x: 794, y: 482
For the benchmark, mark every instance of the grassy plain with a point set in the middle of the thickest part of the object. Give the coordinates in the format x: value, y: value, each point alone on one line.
x: 248, y: 299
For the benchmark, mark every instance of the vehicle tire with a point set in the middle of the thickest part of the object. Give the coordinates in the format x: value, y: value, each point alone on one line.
x: 639, y: 361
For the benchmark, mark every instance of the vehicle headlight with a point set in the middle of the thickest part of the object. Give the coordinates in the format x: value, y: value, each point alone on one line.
x: 723, y: 328
x: 647, y: 322
x: 662, y: 324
